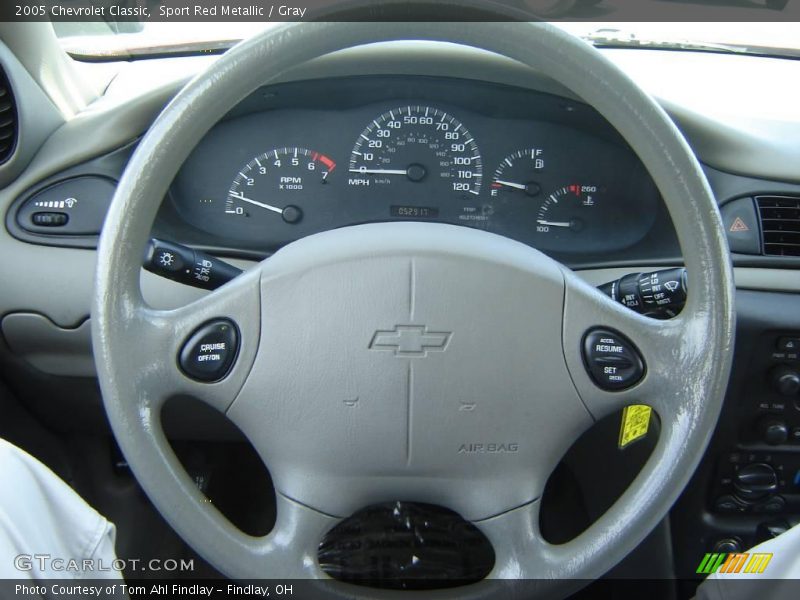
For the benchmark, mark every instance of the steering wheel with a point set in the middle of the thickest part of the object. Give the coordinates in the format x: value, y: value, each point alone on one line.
x: 344, y: 410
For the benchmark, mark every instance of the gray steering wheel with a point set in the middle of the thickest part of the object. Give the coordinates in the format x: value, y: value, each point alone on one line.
x: 504, y: 325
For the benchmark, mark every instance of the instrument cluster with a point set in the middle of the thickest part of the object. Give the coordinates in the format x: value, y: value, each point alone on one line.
x: 300, y: 158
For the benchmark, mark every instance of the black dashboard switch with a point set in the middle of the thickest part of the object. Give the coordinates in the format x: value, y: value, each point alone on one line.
x: 169, y: 260
x: 741, y: 226
x: 774, y: 431
x: 728, y: 504
x: 785, y: 380
x: 789, y: 344
x: 728, y: 545
x: 754, y: 481
x: 75, y: 206
x: 612, y: 360
x: 187, y: 265
x: 663, y: 290
x: 49, y: 219
x: 772, y: 505
x: 658, y: 294
x: 210, y: 352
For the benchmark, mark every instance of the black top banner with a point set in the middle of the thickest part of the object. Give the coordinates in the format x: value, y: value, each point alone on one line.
x: 398, y: 10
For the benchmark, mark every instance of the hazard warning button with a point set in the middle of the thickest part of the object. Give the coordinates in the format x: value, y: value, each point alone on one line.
x: 741, y: 226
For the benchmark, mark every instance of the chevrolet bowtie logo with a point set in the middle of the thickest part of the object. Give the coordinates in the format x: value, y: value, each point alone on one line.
x: 410, y: 340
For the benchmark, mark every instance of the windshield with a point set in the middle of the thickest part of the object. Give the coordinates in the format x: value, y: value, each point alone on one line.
x: 109, y: 40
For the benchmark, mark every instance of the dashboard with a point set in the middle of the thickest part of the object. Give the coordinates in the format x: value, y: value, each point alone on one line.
x: 537, y: 166
x: 300, y: 158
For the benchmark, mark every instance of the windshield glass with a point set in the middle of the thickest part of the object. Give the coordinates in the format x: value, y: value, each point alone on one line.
x: 97, y: 40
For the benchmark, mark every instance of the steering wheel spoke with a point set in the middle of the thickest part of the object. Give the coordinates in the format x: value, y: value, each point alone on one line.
x: 521, y: 553
x: 204, y: 350
x: 618, y: 357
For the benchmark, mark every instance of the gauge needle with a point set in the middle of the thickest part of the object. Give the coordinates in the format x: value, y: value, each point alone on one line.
x: 257, y: 203
x: 380, y: 171
x: 553, y: 223
x: 519, y: 186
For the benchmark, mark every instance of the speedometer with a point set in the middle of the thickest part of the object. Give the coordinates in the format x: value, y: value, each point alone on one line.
x: 417, y: 145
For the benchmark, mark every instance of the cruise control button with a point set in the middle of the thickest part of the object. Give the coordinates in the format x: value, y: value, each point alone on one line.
x: 209, y: 353
x: 612, y: 360
x: 619, y: 361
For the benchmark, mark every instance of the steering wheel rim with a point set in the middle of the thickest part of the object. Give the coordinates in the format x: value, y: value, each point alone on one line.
x: 135, y: 381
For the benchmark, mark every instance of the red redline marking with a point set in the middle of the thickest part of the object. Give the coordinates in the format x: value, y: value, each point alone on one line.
x: 325, y: 161
x: 316, y: 156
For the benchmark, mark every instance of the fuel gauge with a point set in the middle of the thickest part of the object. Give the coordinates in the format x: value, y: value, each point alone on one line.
x: 518, y: 173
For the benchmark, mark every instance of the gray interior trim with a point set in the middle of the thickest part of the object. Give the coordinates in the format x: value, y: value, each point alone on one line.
x: 768, y: 280
x: 51, y: 349
x: 35, y: 44
x: 37, y: 118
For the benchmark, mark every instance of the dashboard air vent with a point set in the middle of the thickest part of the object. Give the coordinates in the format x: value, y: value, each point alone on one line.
x: 8, y: 119
x: 780, y: 224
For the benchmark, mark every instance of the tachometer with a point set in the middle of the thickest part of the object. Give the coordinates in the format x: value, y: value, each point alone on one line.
x: 276, y: 183
x: 416, y: 145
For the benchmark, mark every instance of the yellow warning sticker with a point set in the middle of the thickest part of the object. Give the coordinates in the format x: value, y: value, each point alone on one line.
x: 635, y: 423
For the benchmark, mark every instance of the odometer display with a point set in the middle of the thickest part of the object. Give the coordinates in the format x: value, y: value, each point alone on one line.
x: 414, y: 212
x: 414, y: 146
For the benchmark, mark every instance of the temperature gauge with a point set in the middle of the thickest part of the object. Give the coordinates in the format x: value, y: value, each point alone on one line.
x: 569, y: 209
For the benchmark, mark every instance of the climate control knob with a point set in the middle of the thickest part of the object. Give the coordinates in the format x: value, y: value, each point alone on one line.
x: 754, y: 481
x: 786, y: 381
x: 773, y: 431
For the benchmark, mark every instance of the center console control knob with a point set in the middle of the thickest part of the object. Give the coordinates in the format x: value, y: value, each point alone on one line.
x: 774, y: 431
x: 754, y: 481
x: 786, y: 381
